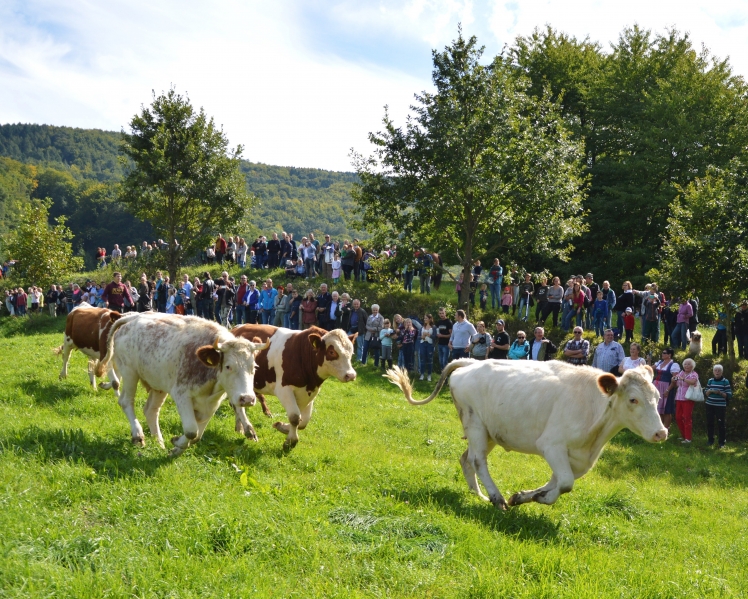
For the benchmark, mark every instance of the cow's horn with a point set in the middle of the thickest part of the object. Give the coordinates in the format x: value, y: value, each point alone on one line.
x: 216, y: 345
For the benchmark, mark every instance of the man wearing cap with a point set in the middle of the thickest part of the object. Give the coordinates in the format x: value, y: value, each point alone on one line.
x: 500, y: 343
x: 741, y: 329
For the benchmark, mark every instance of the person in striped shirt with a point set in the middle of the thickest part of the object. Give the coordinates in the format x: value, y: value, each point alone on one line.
x: 717, y: 393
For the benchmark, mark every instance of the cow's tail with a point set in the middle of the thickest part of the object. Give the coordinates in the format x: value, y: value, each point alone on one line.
x: 101, y: 367
x: 399, y: 376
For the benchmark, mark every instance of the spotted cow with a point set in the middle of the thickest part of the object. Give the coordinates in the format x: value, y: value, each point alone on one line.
x: 196, y: 361
x: 86, y: 329
x: 293, y: 369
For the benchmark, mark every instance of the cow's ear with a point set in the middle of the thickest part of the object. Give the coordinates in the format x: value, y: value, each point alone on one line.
x: 607, y: 383
x: 315, y: 340
x: 114, y: 316
x: 352, y: 338
x: 209, y: 356
x: 649, y: 373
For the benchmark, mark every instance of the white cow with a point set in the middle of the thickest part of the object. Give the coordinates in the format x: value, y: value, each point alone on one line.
x: 562, y: 412
x: 194, y: 360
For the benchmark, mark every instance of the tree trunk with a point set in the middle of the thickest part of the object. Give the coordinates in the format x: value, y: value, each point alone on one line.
x: 467, y: 276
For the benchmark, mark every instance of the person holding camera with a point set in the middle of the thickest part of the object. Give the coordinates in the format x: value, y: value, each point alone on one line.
x: 479, y: 343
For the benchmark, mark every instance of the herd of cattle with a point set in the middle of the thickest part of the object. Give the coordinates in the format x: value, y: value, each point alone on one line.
x: 564, y: 413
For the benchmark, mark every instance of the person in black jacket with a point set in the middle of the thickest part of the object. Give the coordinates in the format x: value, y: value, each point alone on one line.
x: 225, y: 303
x: 274, y: 251
x: 627, y: 299
x: 50, y: 299
x: 541, y: 349
x: 206, y: 297
x: 324, y: 299
x: 741, y: 329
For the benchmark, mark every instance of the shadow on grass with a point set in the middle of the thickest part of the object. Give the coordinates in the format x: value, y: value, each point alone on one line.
x: 683, y: 465
x: 516, y: 522
x: 49, y: 393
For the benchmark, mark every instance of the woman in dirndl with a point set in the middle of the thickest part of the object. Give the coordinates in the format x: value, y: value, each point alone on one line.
x: 664, y: 371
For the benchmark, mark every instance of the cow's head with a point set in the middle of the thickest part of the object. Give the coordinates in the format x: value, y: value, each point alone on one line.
x: 234, y: 360
x: 335, y: 350
x: 634, y: 399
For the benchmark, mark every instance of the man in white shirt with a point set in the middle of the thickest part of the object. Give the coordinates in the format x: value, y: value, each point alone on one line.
x: 462, y: 331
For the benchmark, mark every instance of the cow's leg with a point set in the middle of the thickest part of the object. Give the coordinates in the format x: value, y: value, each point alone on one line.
x: 204, y: 418
x: 263, y: 403
x: 67, y: 347
x: 306, y: 415
x: 469, y: 473
x: 189, y: 423
x: 151, y: 410
x: 127, y: 403
x: 242, y: 424
x: 479, y: 446
x: 92, y: 373
x: 288, y: 401
x: 561, y: 482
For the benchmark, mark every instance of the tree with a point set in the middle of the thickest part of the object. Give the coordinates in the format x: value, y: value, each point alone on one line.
x: 480, y: 166
x: 706, y: 246
x: 44, y: 253
x: 182, y: 177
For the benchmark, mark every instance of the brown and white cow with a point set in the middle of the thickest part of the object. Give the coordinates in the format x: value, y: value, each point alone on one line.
x: 196, y: 361
x: 293, y: 369
x: 562, y: 412
x: 87, y: 329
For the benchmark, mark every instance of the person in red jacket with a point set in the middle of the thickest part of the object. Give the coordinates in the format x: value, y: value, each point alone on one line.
x: 220, y: 248
x: 115, y: 293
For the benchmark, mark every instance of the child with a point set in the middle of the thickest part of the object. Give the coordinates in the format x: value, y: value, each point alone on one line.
x: 507, y: 300
x: 600, y: 312
x: 336, y: 268
x: 179, y: 299
x: 170, y: 301
x: 483, y: 296
x: 628, y: 324
x: 385, y: 335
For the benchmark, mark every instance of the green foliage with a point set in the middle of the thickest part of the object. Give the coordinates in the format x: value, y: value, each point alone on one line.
x: 17, y: 183
x: 706, y: 247
x: 654, y: 114
x: 480, y: 166
x: 184, y: 180
x: 44, y: 253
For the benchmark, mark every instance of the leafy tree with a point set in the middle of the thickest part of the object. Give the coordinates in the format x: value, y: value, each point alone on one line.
x: 481, y: 165
x: 44, y: 253
x: 182, y: 177
x: 706, y: 246
x: 17, y: 182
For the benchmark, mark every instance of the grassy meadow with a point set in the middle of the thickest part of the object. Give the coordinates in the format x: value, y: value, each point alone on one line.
x: 371, y: 503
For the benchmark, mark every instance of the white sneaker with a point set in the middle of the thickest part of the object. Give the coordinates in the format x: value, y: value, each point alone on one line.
x: 421, y: 378
x: 686, y: 441
x: 429, y: 379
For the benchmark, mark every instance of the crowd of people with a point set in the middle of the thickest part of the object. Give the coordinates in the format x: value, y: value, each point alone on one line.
x: 417, y: 341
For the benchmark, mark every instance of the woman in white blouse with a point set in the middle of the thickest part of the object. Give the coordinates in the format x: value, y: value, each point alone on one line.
x: 634, y: 361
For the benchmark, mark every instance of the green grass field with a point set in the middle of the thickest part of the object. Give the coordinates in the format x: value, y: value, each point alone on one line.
x: 371, y: 503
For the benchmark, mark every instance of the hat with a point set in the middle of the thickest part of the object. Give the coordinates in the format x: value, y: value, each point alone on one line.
x: 501, y: 322
x: 629, y: 310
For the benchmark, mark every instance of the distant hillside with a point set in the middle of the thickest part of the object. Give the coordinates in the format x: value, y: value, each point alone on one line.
x: 78, y: 168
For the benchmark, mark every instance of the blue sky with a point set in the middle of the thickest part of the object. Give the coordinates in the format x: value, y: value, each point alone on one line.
x: 295, y: 82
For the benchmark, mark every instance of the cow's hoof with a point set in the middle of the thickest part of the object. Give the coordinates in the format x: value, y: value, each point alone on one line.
x: 251, y: 435
x: 160, y: 442
x: 139, y: 441
x: 515, y: 499
x: 281, y: 427
x: 176, y: 452
x: 290, y: 444
x: 267, y: 412
x: 500, y: 504
x: 174, y: 440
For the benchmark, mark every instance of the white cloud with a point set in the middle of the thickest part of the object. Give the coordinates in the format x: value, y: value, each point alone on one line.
x: 278, y: 75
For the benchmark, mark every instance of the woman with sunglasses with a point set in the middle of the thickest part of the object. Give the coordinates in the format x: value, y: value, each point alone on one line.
x: 520, y: 347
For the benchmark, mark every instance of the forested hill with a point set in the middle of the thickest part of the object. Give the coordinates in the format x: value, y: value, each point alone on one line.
x: 78, y: 169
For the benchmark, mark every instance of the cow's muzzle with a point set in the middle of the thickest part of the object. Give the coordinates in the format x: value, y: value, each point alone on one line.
x: 660, y: 435
x: 349, y: 376
x: 247, y: 400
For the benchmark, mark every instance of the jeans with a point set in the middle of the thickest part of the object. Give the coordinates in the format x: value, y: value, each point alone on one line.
x: 524, y: 309
x: 495, y: 291
x: 566, y: 320
x: 599, y: 325
x: 360, y: 347
x: 459, y: 352
x: 268, y: 316
x: 427, y: 358
x: 287, y: 320
x: 443, y: 356
x: 408, y: 350
x: 716, y: 413
x: 678, y: 337
x: 309, y: 264
x: 70, y: 306
x: 742, y: 345
x: 217, y: 311
x: 425, y: 284
x: 240, y: 315
x: 408, y: 282
x: 374, y: 352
